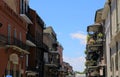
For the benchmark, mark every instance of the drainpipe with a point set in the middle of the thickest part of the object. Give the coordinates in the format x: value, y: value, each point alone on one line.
x: 109, y: 3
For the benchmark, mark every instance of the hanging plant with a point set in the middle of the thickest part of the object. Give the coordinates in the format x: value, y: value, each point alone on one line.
x: 91, y: 41
x: 100, y: 35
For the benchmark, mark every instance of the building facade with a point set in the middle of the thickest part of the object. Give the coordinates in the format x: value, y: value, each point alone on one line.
x: 37, y: 49
x: 52, y: 57
x: 110, y: 22
x: 13, y: 46
x: 28, y: 48
x: 113, y: 56
x: 95, y: 48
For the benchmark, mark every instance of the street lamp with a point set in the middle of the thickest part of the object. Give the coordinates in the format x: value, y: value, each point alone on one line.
x: 0, y: 24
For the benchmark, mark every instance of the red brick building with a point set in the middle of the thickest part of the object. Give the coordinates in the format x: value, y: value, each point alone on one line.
x: 37, y: 49
x: 13, y: 37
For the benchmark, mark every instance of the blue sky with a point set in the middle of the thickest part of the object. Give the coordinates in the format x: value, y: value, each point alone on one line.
x: 70, y: 19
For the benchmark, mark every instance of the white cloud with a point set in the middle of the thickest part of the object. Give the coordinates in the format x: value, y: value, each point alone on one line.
x: 80, y: 36
x: 77, y: 63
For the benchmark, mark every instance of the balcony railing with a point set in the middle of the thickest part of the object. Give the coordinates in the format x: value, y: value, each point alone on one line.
x: 94, y: 28
x: 3, y: 40
x: 52, y: 63
x: 91, y: 63
x: 39, y: 43
x: 6, y: 40
x: 26, y: 16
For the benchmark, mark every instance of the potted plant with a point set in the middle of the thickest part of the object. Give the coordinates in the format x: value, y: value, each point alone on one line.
x: 100, y: 35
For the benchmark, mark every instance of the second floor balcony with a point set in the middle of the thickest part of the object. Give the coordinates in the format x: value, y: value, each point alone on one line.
x: 52, y: 59
x: 38, y: 43
x: 12, y: 42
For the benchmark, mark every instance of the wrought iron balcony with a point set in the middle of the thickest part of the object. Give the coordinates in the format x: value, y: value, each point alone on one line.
x: 3, y: 40
x: 88, y: 57
x: 91, y: 63
x: 52, y: 64
x: 16, y: 42
x: 7, y: 41
x: 26, y: 16
x: 94, y: 28
x: 38, y: 43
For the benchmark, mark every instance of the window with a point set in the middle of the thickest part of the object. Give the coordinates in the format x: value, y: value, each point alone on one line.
x: 9, y: 34
x: 20, y: 36
x: 23, y: 6
x: 27, y: 60
x: 26, y: 6
x: 15, y: 36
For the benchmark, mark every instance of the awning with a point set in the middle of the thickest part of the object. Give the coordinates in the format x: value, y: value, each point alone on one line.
x: 28, y: 42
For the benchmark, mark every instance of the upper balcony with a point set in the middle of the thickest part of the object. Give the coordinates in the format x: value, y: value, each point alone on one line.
x: 26, y: 17
x: 95, y: 37
x: 24, y: 11
x: 90, y: 63
x: 29, y: 40
x: 53, y: 59
x: 94, y: 28
x: 3, y: 40
x: 36, y: 43
x: 95, y: 43
x: 14, y: 43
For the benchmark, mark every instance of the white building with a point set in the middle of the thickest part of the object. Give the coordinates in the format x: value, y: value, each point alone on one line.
x: 112, y: 32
